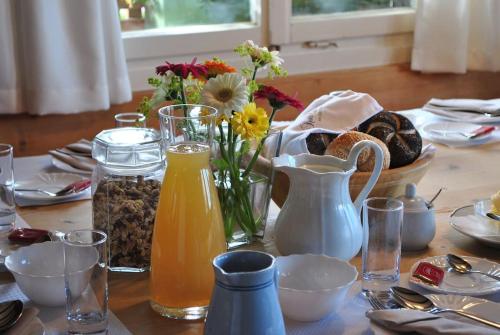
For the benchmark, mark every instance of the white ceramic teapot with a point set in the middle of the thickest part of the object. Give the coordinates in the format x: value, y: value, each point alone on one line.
x: 319, y: 216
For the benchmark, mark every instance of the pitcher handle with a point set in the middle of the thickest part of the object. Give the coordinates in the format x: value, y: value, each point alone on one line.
x: 379, y: 159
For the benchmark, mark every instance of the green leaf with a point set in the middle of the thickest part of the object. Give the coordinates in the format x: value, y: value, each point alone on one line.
x: 220, y: 164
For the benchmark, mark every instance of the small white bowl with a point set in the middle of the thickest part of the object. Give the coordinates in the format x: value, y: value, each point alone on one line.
x: 39, y: 271
x: 313, y: 286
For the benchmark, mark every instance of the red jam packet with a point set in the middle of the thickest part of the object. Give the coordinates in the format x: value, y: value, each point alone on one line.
x: 429, y: 273
x: 28, y: 236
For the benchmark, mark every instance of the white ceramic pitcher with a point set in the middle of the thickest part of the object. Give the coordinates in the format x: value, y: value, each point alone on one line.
x: 319, y: 216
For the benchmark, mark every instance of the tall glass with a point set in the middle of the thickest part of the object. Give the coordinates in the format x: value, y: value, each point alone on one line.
x: 130, y: 120
x: 188, y: 231
x: 86, y: 281
x: 7, y: 204
x: 382, y: 223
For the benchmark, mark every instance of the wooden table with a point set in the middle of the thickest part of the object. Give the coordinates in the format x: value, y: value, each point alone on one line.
x: 467, y: 174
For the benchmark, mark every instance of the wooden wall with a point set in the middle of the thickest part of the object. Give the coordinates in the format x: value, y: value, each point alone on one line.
x: 395, y: 87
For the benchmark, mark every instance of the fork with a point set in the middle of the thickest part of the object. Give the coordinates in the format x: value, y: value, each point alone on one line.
x: 375, y: 302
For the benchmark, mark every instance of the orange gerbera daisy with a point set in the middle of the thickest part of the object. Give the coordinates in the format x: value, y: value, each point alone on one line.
x: 216, y: 66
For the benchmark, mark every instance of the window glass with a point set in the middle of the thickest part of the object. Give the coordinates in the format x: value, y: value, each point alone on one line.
x: 311, y: 7
x: 151, y: 14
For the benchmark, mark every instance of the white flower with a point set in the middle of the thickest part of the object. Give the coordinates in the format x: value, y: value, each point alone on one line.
x: 276, y: 59
x: 226, y: 93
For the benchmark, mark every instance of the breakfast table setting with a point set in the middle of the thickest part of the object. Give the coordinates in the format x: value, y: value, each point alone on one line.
x: 350, y: 219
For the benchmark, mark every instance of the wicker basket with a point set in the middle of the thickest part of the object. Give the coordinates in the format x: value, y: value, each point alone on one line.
x: 390, y: 183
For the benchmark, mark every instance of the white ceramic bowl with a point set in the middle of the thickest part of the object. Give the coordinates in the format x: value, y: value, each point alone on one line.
x: 313, y: 286
x: 39, y: 271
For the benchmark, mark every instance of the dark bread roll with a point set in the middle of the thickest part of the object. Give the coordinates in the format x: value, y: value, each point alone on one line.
x: 317, y: 142
x: 398, y: 133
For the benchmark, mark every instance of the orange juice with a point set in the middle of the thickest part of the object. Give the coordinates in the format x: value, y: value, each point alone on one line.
x: 188, y: 234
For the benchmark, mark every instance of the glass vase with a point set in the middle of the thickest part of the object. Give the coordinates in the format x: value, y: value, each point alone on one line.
x: 240, y: 227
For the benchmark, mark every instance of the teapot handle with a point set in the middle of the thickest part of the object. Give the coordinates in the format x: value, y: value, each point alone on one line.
x: 352, y: 159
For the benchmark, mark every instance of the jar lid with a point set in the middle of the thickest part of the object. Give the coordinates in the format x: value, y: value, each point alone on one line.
x: 410, y: 199
x: 128, y: 147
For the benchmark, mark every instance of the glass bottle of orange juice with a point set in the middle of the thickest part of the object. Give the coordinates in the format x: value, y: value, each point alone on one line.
x: 188, y: 231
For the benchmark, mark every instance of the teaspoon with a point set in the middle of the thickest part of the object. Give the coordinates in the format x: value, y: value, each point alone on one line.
x: 460, y: 265
x: 413, y: 300
x: 10, y: 312
x: 493, y: 216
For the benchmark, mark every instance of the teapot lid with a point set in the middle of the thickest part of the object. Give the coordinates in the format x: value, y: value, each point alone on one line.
x: 410, y: 199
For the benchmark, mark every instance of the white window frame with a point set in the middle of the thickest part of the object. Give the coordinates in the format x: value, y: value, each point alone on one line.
x: 145, y: 49
x: 312, y: 43
x: 326, y: 42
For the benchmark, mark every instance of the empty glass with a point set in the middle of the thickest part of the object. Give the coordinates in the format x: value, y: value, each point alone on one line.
x: 382, y: 222
x: 7, y: 204
x: 86, y: 285
x: 130, y: 120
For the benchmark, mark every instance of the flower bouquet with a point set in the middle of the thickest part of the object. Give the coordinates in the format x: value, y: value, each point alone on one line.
x: 242, y: 125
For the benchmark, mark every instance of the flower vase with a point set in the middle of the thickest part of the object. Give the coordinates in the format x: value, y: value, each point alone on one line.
x: 241, y: 228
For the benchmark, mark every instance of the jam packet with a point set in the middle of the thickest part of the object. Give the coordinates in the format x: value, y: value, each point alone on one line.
x: 28, y: 236
x: 429, y: 274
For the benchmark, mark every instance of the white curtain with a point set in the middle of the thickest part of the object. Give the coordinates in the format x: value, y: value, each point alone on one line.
x: 456, y: 36
x: 61, y: 56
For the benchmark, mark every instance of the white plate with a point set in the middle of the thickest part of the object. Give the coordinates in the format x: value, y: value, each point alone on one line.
x: 484, y: 308
x: 448, y: 133
x: 51, y: 182
x: 480, y: 227
x: 473, y: 284
x: 68, y: 168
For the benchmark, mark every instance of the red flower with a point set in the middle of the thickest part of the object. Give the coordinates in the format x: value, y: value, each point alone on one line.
x: 183, y: 70
x: 276, y: 98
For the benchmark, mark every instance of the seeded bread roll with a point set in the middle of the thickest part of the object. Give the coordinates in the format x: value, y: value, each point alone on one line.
x: 398, y: 133
x: 341, y: 147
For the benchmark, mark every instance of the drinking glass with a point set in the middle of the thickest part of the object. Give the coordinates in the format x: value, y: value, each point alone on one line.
x: 130, y: 120
x: 7, y: 204
x: 382, y: 222
x: 86, y: 286
x: 188, y: 230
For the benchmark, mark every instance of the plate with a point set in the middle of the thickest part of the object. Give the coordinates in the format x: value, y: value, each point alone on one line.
x: 449, y: 133
x: 480, y: 227
x: 51, y: 182
x: 473, y: 284
x: 477, y: 306
x: 68, y: 168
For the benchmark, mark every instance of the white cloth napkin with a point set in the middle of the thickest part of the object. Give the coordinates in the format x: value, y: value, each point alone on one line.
x: 334, y: 113
x: 54, y: 318
x: 466, y: 110
x: 411, y: 321
x: 28, y: 324
x: 78, y: 162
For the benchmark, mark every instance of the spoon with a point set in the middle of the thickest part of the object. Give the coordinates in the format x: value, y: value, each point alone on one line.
x: 71, y: 188
x: 429, y: 203
x: 10, y: 312
x: 460, y: 265
x: 493, y: 216
x: 413, y: 300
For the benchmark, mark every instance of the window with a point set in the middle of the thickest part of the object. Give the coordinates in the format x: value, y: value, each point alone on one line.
x: 313, y: 7
x: 329, y: 34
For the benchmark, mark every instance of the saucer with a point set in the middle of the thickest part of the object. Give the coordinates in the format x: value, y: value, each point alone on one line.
x: 51, y: 182
x: 473, y: 284
x: 471, y: 221
x: 448, y: 133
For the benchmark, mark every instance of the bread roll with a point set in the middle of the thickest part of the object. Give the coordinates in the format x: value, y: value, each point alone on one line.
x: 398, y: 133
x: 341, y: 147
x: 317, y: 142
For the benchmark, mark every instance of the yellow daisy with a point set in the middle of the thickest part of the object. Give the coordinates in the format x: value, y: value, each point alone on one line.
x: 251, y: 123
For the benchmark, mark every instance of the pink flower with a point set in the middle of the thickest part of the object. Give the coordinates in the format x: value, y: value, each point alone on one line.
x: 183, y: 70
x: 276, y: 98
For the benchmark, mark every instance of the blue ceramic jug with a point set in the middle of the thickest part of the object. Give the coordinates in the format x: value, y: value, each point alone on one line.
x: 245, y: 297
